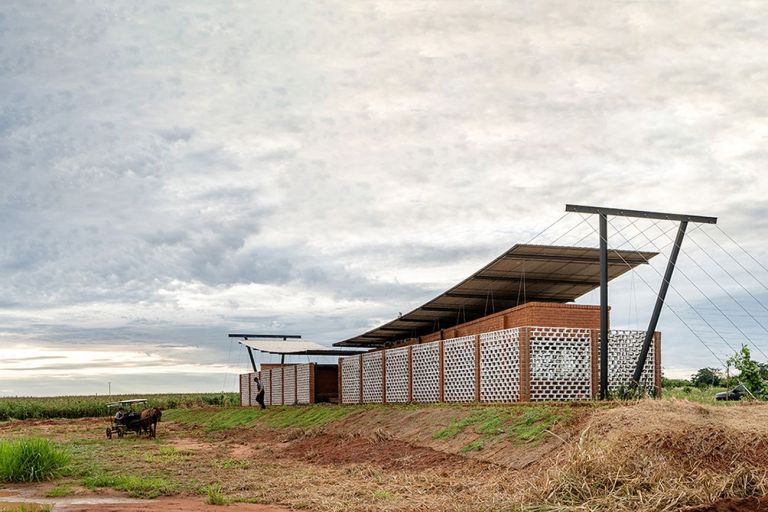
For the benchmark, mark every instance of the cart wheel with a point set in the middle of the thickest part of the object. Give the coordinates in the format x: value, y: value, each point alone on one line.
x: 120, y: 432
x: 109, y: 433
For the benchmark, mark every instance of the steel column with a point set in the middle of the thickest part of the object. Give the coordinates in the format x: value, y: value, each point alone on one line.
x: 603, y: 306
x: 659, y: 302
x: 250, y: 354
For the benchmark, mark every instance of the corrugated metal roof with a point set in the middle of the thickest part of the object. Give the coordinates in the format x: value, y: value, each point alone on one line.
x: 524, y: 273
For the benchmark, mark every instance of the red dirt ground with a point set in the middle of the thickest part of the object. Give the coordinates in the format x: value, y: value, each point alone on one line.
x: 387, y: 454
x: 734, y: 505
x: 169, y: 505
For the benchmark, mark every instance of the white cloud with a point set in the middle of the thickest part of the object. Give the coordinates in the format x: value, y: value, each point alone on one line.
x: 172, y: 170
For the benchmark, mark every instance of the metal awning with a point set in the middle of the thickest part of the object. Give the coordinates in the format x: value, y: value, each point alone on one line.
x: 308, y: 348
x: 524, y: 273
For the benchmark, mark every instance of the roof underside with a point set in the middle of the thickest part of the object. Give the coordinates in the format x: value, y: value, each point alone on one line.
x: 308, y: 348
x: 525, y: 273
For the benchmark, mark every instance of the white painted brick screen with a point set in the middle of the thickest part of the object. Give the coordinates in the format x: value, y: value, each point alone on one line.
x: 252, y: 398
x: 372, y: 375
x: 244, y: 391
x: 302, y: 383
x: 397, y: 375
x: 266, y: 381
x: 426, y: 372
x: 623, y: 352
x: 459, y: 370
x: 350, y: 380
x: 561, y: 363
x: 500, y: 366
x: 277, y: 386
x: 289, y: 385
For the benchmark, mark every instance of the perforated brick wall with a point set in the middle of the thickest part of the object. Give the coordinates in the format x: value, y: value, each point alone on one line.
x: 252, y: 389
x: 244, y: 390
x: 350, y: 380
x: 561, y: 363
x: 500, y: 366
x: 397, y: 375
x: 302, y: 383
x: 426, y: 372
x: 372, y: 370
x: 277, y: 386
x: 623, y: 352
x: 289, y: 385
x: 266, y: 381
x: 459, y: 354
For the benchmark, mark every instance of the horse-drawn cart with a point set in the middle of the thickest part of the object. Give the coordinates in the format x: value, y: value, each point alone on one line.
x: 126, y: 418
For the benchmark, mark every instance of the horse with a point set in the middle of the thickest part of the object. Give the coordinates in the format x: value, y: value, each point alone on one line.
x: 149, y: 418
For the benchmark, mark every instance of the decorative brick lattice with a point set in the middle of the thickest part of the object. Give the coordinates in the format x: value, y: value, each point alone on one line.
x: 302, y: 383
x: 500, y: 366
x: 266, y: 381
x: 623, y: 352
x: 289, y: 385
x: 397, y: 375
x: 372, y: 373
x: 459, y: 370
x: 426, y: 376
x: 244, y: 398
x: 561, y: 363
x: 350, y: 380
x: 277, y: 386
x: 252, y: 396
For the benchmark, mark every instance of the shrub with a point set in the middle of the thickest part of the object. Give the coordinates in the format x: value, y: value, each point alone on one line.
x: 30, y: 460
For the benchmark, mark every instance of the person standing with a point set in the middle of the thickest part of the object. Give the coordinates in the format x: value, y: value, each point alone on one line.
x: 259, y: 392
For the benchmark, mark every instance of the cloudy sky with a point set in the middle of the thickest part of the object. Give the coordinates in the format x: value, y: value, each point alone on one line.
x: 173, y: 171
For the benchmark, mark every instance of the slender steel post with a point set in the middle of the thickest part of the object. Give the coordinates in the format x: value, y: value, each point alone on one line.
x: 250, y: 354
x: 603, y: 306
x: 659, y: 302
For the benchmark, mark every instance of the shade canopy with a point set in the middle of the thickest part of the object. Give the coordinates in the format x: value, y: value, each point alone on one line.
x: 309, y: 348
x: 524, y: 273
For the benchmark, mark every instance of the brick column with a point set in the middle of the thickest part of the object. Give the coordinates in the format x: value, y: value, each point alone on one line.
x: 441, y: 370
x: 383, y: 376
x: 594, y: 335
x: 296, y: 385
x: 525, y: 365
x: 282, y: 383
x: 410, y: 373
x: 477, y: 368
x: 657, y: 363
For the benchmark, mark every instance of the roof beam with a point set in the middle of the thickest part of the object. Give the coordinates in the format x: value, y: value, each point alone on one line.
x: 536, y: 280
x: 619, y: 212
x: 628, y: 259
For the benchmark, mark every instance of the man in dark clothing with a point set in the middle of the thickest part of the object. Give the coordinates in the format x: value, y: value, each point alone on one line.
x: 259, y: 393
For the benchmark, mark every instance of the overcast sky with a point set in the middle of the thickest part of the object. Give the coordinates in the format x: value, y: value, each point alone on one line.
x: 173, y: 171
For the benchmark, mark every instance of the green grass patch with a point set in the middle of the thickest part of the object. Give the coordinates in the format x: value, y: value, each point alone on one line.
x: 25, y: 507
x: 60, y: 491
x: 215, y: 495
x: 533, y: 421
x: 474, y: 446
x: 31, y: 460
x: 135, y: 486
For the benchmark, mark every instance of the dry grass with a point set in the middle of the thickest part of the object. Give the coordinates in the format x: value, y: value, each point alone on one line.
x: 661, y: 456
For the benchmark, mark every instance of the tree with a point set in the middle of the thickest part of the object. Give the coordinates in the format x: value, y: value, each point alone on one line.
x: 749, y: 371
x: 707, y: 377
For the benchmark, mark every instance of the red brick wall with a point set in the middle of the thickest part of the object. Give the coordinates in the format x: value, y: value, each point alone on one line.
x: 540, y: 314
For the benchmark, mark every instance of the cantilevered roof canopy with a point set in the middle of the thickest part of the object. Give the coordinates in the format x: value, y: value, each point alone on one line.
x: 308, y: 348
x: 525, y: 273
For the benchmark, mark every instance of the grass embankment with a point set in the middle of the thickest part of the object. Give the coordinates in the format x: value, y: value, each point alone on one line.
x: 274, y: 417
x: 22, y: 408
